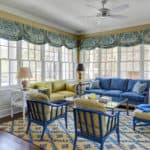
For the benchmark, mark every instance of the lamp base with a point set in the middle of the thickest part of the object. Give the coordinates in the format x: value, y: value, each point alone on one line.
x: 24, y: 84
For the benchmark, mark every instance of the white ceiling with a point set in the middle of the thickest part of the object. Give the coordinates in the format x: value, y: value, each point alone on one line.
x: 68, y: 14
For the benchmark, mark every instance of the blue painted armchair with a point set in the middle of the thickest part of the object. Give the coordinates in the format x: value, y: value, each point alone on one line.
x: 43, y: 112
x: 91, y: 122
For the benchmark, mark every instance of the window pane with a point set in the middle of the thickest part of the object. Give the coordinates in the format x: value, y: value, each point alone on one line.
x: 4, y: 52
x: 130, y: 62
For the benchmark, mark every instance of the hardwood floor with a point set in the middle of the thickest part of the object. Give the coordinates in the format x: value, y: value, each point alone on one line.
x: 11, y: 142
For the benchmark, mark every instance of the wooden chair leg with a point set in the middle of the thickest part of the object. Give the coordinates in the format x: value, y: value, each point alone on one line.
x: 28, y: 127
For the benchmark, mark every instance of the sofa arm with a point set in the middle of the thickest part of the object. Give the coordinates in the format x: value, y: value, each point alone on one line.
x: 71, y: 87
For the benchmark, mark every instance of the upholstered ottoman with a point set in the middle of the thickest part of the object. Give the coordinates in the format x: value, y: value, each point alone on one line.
x: 141, y: 115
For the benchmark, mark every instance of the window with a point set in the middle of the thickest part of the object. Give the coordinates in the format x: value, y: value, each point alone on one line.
x: 91, y: 63
x: 146, y: 61
x: 130, y: 62
x: 109, y: 62
x: 8, y: 62
x: 31, y: 57
x: 52, y: 62
x: 68, y: 60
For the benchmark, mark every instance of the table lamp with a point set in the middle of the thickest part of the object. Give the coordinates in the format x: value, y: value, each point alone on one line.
x: 24, y: 73
x: 80, y: 69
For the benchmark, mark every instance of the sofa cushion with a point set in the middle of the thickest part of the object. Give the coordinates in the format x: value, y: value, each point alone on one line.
x: 94, y: 84
x: 133, y: 95
x: 139, y: 87
x: 71, y: 87
x: 96, y: 91
x: 104, y: 83
x: 58, y: 85
x: 132, y: 82
x: 115, y: 93
x: 118, y: 84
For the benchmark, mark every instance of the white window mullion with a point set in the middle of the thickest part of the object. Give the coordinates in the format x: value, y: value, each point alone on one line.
x: 60, y: 62
x: 43, y: 69
x: 0, y: 74
x: 118, y: 61
x: 142, y: 61
x: 99, y: 56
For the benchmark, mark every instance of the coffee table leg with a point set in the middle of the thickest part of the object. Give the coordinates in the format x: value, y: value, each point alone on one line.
x: 127, y: 107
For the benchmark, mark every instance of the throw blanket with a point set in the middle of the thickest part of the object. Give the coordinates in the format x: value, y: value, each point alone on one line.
x: 144, y: 107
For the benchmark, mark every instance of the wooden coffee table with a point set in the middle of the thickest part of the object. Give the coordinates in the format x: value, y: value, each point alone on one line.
x: 11, y: 142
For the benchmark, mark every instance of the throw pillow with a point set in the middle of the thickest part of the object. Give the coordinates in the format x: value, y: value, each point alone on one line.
x: 139, y: 87
x: 95, y: 84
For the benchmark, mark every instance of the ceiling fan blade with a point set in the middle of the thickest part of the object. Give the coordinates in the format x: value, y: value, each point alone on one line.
x: 117, y: 16
x: 119, y: 8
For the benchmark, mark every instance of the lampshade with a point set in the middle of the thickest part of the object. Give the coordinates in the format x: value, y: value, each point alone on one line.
x: 24, y: 72
x: 80, y: 67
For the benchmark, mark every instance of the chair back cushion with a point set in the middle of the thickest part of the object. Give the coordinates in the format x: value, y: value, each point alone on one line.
x: 43, y: 98
x: 91, y: 105
x: 58, y: 85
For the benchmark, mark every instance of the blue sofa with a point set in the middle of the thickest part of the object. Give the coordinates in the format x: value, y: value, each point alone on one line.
x: 117, y: 87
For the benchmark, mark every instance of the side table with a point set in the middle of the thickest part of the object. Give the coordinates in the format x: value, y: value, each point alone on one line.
x: 81, y: 87
x: 18, y: 99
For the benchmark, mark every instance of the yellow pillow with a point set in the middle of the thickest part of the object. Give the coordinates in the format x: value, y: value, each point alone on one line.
x: 71, y: 87
x: 39, y: 96
x: 58, y: 85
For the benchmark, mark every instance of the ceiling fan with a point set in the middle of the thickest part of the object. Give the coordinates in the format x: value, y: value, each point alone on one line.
x: 105, y: 12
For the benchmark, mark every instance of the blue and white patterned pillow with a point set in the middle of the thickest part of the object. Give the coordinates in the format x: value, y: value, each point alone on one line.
x: 139, y: 87
x: 95, y: 84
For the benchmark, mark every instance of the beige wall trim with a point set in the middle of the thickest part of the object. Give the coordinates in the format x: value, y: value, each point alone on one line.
x: 117, y: 31
x: 13, y: 17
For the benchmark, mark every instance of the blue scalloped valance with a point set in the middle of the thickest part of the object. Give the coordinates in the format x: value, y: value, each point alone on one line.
x: 122, y: 39
x: 12, y: 30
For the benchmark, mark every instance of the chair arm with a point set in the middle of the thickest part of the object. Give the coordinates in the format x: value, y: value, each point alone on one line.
x: 56, y: 105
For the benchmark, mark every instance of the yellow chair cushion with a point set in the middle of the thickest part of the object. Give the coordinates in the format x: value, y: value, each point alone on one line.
x: 58, y: 85
x: 66, y: 93
x: 91, y: 105
x: 141, y: 115
x: 43, y: 98
x: 71, y: 87
x: 56, y: 96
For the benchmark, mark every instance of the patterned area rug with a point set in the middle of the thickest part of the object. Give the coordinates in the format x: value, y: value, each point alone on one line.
x: 60, y: 138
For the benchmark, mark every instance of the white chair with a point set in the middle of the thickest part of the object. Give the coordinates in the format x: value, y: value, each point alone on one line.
x: 16, y: 101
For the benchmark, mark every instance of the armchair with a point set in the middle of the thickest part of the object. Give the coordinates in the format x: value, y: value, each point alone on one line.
x: 93, y: 123
x: 42, y: 112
